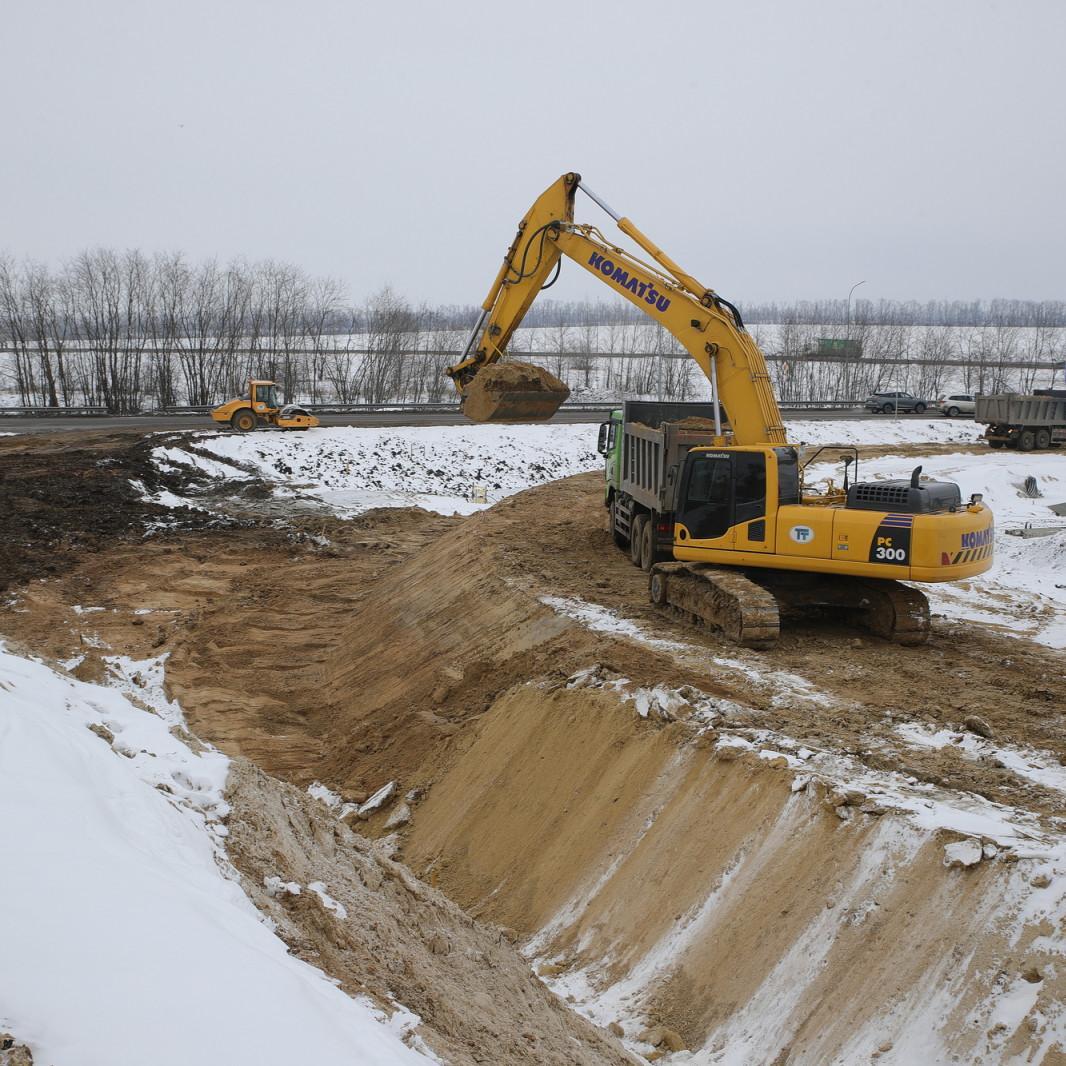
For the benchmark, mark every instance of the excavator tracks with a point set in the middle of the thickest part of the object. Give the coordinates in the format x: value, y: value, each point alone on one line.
x: 747, y: 610
x: 726, y: 600
x: 893, y: 611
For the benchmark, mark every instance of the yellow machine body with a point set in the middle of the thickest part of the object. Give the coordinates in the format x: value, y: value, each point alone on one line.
x: 823, y: 536
x: 262, y: 408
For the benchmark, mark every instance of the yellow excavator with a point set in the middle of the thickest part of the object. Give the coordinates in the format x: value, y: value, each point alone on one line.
x: 715, y: 508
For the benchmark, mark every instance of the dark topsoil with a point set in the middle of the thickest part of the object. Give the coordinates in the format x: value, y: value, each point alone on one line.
x: 60, y: 497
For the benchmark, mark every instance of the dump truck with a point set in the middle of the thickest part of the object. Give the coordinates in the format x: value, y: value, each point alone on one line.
x: 713, y: 507
x: 1023, y: 422
x: 643, y: 444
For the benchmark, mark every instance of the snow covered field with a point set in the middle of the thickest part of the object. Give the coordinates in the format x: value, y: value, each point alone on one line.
x: 124, y: 937
x: 440, y: 468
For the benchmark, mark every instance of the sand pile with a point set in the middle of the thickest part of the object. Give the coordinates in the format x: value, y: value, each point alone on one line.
x: 513, y: 392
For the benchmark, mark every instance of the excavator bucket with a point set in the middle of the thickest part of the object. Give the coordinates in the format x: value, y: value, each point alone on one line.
x: 513, y: 392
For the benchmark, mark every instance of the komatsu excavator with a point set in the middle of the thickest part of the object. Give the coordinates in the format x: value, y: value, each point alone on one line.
x: 718, y: 513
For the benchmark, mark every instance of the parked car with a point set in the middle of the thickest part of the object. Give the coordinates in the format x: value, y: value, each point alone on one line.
x: 889, y: 403
x: 953, y: 406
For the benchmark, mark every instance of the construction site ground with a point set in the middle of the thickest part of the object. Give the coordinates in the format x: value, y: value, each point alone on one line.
x: 678, y: 836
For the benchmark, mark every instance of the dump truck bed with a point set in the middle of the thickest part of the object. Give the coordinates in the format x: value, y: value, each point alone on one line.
x: 1010, y: 410
x: 656, y: 438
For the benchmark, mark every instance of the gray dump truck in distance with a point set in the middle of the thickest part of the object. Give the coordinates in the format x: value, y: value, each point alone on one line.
x: 1023, y: 422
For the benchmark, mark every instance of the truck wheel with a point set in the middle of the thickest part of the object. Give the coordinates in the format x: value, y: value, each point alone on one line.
x: 996, y: 443
x: 647, y: 547
x: 919, y: 408
x: 243, y: 420
x: 1026, y: 440
x: 953, y: 412
x: 618, y: 538
x: 636, y: 538
x: 1043, y: 438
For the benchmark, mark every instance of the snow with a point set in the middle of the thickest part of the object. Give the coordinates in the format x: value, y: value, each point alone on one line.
x: 448, y: 469
x: 1042, y: 768
x: 126, y: 939
x: 603, y: 620
x: 876, y: 431
x: 319, y: 889
x: 780, y: 686
x: 380, y: 798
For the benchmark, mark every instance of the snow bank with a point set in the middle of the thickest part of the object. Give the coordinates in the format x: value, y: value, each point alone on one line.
x: 887, y: 430
x: 449, y: 469
x: 123, y: 940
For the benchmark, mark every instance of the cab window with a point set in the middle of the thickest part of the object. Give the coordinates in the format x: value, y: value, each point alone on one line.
x: 708, y: 505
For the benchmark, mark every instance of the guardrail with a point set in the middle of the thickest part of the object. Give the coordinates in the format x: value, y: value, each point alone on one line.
x: 365, y: 408
x: 53, y: 412
x: 382, y: 408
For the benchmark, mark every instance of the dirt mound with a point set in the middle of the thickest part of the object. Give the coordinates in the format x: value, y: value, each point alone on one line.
x: 513, y: 392
x: 345, y: 907
x: 742, y: 904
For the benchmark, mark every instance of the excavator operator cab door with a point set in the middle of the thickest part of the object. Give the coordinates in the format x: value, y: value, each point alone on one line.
x: 723, y: 500
x: 705, y: 511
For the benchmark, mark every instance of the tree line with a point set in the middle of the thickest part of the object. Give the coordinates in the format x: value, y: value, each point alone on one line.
x: 128, y: 331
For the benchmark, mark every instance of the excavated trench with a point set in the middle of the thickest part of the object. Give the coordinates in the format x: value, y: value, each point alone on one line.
x: 744, y: 854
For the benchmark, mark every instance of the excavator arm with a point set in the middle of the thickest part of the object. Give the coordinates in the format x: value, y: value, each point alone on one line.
x: 708, y: 327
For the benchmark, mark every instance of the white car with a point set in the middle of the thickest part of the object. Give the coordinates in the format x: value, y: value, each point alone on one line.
x: 953, y: 406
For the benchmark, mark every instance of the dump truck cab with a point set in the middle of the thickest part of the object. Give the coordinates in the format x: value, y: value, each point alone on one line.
x: 262, y: 407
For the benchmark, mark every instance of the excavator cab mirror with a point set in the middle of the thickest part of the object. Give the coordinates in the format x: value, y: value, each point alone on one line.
x: 601, y: 440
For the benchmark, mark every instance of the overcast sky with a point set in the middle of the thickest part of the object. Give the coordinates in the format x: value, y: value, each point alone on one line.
x: 778, y: 150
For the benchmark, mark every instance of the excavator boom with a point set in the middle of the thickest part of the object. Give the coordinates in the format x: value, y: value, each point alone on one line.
x: 708, y: 327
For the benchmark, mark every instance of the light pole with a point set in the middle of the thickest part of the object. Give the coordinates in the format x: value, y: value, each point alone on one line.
x: 850, y: 291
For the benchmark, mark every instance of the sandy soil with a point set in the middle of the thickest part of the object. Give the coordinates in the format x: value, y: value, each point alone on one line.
x: 407, y: 647
x: 384, y: 934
